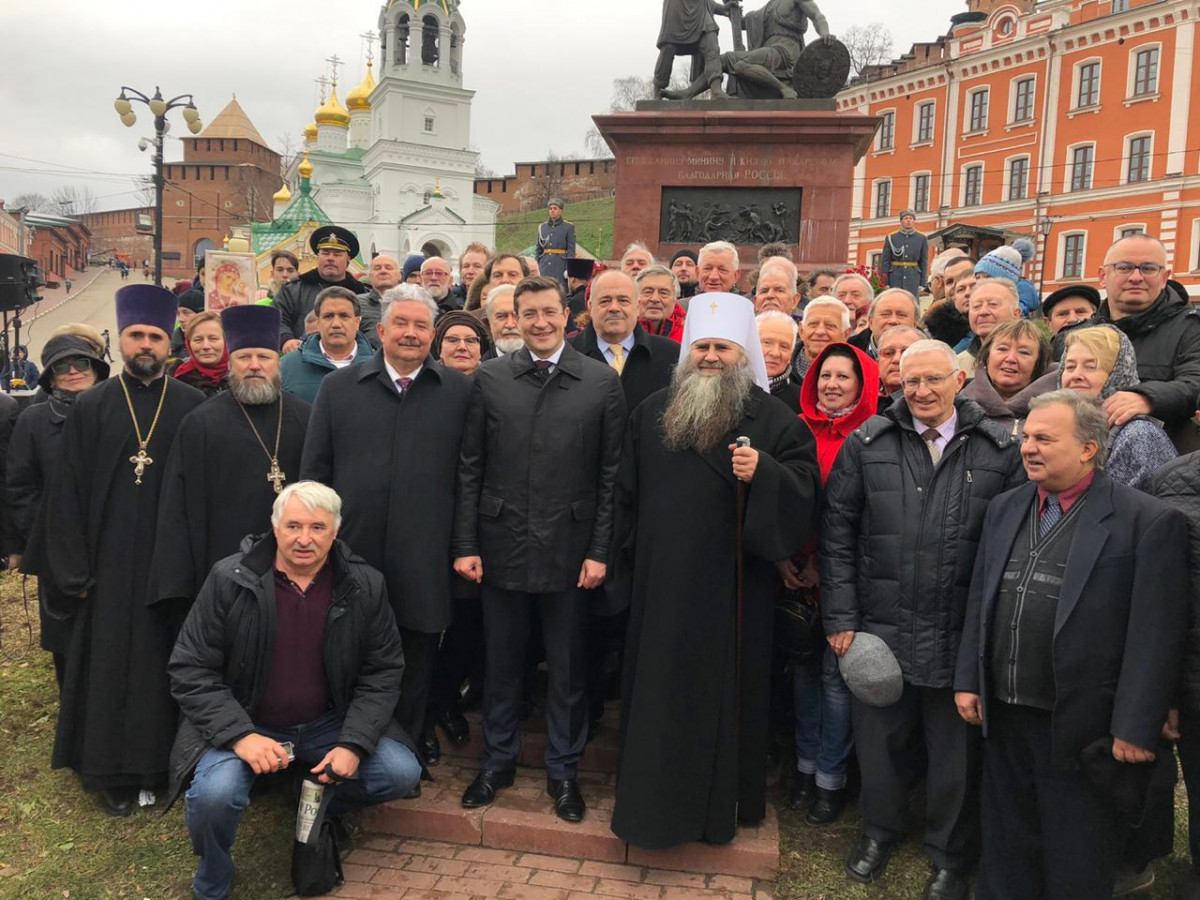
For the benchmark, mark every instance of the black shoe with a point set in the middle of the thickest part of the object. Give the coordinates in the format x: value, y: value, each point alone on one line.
x: 568, y: 801
x: 428, y: 746
x: 827, y: 807
x: 868, y: 858
x: 947, y: 884
x: 482, y: 790
x: 455, y: 725
x: 803, y: 792
x: 118, y: 802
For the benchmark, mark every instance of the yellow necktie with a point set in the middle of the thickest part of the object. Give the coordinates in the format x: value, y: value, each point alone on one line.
x: 618, y: 360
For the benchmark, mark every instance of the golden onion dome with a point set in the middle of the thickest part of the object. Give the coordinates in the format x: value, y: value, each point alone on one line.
x: 332, y: 112
x: 283, y: 195
x: 306, y: 168
x: 310, y: 132
x: 359, y: 98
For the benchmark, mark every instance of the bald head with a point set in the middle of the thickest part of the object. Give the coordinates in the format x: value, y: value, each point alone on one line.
x: 1134, y: 274
x: 385, y: 273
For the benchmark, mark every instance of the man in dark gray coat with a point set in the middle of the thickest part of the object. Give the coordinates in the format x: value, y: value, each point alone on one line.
x: 555, y: 242
x: 905, y: 260
x: 334, y: 247
x: 385, y: 435
x: 536, y: 539
x: 903, y: 510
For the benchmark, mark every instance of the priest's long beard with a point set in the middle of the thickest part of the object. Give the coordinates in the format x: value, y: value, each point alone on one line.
x: 703, y: 408
x: 256, y: 391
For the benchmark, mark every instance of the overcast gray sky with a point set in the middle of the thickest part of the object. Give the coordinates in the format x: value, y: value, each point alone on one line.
x: 540, y: 69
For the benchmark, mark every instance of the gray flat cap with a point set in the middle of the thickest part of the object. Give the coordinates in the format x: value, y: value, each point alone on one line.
x: 871, y: 671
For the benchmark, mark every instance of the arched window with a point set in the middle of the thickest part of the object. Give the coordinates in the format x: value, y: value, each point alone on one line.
x: 455, y: 50
x: 431, y: 40
x: 401, y: 53
x: 201, y: 246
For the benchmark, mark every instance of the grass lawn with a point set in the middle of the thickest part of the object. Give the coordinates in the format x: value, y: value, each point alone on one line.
x: 593, y: 221
x: 56, y: 842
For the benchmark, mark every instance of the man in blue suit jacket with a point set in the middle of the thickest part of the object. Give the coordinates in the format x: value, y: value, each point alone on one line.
x: 1073, y: 638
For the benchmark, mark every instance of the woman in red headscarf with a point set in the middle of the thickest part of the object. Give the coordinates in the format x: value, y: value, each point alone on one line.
x: 207, y: 365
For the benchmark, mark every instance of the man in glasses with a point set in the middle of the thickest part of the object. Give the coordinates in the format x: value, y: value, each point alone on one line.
x: 902, y: 517
x: 1154, y: 313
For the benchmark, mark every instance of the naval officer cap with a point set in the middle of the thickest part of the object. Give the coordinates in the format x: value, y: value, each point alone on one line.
x: 334, y: 237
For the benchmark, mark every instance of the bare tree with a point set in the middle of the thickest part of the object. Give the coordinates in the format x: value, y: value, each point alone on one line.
x: 869, y: 45
x: 145, y: 190
x: 73, y: 201
x: 287, y: 153
x: 31, y: 200
x: 548, y: 181
x: 626, y: 92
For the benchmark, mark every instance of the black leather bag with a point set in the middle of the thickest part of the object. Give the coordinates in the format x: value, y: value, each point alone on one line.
x: 798, y: 631
x: 316, y: 862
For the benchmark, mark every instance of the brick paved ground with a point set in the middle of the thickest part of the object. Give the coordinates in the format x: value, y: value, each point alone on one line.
x: 388, y: 869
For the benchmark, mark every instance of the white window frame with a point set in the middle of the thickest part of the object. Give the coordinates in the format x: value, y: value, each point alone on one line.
x: 963, y: 192
x: 916, y: 131
x: 875, y: 189
x: 1127, y: 157
x: 1069, y: 168
x: 912, y: 190
x: 1062, y: 255
x: 1013, y: 87
x: 1008, y: 162
x: 968, y: 110
x: 1077, y: 81
x: 1131, y: 77
x: 1128, y: 226
x: 880, y: 147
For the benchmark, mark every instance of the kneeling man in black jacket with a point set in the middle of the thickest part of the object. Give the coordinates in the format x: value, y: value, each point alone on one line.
x: 291, y: 640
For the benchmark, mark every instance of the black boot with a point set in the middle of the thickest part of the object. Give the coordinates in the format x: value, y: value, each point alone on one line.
x: 803, y: 792
x: 827, y: 807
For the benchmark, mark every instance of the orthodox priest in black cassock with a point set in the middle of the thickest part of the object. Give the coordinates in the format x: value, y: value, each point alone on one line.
x: 694, y: 728
x: 116, y: 719
x: 219, y: 486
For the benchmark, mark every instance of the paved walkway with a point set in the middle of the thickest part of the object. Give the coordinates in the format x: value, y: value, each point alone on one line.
x: 91, y: 302
x: 387, y: 869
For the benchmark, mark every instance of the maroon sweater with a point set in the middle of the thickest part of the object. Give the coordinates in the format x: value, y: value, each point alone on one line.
x: 297, y: 690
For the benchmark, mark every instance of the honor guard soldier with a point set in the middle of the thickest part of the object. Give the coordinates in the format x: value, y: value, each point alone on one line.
x: 556, y: 242
x: 905, y: 262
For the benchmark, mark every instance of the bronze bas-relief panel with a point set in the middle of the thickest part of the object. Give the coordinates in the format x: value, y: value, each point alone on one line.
x: 695, y: 215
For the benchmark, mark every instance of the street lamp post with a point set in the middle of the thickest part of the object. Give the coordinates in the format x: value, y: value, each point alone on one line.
x: 159, y: 109
x: 1046, y: 225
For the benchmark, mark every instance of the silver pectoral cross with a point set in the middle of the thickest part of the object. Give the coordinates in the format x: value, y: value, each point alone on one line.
x: 140, y: 460
x: 276, y: 477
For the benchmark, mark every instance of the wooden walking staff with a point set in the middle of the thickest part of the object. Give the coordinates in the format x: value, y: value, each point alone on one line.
x: 737, y: 647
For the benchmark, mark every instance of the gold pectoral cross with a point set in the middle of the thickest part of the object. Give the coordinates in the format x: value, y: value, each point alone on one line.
x: 275, y: 476
x: 140, y: 461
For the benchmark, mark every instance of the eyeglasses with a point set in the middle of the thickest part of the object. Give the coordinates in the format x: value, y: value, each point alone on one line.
x: 78, y: 363
x: 455, y: 341
x: 933, y: 382
x: 1125, y: 269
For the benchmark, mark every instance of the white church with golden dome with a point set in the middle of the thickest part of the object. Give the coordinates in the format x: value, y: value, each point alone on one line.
x: 394, y: 165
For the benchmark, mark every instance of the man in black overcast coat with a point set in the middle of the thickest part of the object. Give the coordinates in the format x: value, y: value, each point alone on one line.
x: 334, y: 247
x: 538, y: 542
x: 390, y: 450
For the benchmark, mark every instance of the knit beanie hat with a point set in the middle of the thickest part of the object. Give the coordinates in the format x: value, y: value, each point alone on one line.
x: 412, y: 264
x: 680, y: 254
x: 1003, y: 262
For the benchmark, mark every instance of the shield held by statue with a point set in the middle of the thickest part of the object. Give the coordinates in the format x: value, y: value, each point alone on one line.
x: 822, y: 69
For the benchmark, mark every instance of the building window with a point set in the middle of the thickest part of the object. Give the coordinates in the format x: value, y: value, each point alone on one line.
x: 887, y: 131
x: 1120, y: 6
x: 1073, y: 256
x: 920, y: 199
x: 1139, y: 159
x: 883, y: 199
x: 979, y: 111
x: 1134, y: 231
x: 429, y: 123
x: 973, y: 185
x: 1018, y: 178
x: 1023, y: 104
x: 1082, y: 159
x: 1089, y: 85
x: 925, y: 122
x: 1145, y: 72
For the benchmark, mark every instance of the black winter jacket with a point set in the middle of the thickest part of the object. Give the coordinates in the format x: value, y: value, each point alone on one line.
x: 1178, y: 483
x: 898, y: 537
x: 222, y: 659
x: 296, y: 298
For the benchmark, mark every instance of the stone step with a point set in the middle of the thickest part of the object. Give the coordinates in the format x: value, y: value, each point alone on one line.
x: 523, y: 820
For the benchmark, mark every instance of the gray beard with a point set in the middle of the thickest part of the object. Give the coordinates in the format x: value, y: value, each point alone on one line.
x: 255, y: 391
x: 141, y: 368
x: 439, y: 293
x: 701, y: 408
x: 509, y: 345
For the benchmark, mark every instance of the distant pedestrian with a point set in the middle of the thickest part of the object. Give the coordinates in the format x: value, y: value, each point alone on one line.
x: 67, y: 285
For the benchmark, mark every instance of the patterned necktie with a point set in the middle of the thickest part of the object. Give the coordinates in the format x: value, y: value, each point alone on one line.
x: 618, y: 360
x: 543, y: 368
x: 404, y: 384
x: 1051, y: 515
x: 930, y: 436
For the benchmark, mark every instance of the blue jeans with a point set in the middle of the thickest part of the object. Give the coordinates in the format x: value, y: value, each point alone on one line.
x: 220, y: 792
x: 824, y: 732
